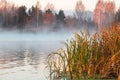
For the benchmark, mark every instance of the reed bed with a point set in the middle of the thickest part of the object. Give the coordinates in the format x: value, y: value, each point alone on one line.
x: 88, y: 56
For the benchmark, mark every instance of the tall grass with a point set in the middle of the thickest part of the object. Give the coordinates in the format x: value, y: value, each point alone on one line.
x: 88, y: 56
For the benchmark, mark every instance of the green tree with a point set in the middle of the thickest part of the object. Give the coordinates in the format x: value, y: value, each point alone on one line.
x: 61, y: 16
x: 36, y: 14
x: 117, y: 16
x: 21, y: 16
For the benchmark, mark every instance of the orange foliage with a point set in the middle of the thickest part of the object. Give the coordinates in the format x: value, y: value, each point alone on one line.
x: 104, y: 13
x: 48, y: 18
x: 98, y: 13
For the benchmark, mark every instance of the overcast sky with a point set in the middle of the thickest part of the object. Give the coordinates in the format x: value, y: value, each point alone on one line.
x: 61, y: 4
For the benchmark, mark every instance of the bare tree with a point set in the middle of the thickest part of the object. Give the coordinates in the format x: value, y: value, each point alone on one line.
x: 109, y: 12
x: 98, y: 14
x: 79, y: 9
x: 37, y: 13
x: 49, y: 6
x: 104, y: 13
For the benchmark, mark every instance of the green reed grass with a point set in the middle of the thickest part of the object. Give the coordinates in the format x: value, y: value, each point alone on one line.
x: 87, y: 56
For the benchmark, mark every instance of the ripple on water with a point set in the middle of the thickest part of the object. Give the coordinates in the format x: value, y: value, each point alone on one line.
x: 25, y: 60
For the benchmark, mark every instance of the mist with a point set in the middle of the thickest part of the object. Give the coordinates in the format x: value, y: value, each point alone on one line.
x: 39, y: 36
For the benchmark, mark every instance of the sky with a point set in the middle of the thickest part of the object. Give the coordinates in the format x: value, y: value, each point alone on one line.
x: 61, y: 4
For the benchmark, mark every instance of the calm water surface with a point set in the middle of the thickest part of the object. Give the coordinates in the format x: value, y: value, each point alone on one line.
x: 25, y: 60
x: 23, y: 56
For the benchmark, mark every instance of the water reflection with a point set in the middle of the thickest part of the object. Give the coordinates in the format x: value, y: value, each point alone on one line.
x: 23, y: 60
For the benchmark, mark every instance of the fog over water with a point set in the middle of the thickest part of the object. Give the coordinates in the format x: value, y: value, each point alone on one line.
x: 23, y: 54
x: 33, y: 37
x: 45, y: 34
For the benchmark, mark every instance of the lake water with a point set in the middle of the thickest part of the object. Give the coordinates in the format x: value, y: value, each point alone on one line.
x: 23, y: 56
x: 25, y: 60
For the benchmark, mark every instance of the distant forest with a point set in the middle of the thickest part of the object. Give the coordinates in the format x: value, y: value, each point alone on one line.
x: 20, y: 17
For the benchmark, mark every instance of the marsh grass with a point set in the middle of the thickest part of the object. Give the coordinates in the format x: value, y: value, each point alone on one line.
x: 88, y: 56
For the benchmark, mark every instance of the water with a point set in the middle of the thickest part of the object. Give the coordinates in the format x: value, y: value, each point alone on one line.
x: 25, y: 60
x: 23, y: 56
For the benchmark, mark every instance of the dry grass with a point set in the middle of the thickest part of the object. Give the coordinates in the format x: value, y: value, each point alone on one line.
x: 88, y: 56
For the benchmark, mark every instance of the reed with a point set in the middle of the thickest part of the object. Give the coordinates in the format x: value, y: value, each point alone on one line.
x: 88, y: 56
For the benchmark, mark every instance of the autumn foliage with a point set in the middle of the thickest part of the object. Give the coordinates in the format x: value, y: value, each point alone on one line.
x: 104, y: 13
x: 12, y: 16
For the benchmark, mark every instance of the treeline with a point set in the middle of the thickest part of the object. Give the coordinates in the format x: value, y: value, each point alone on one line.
x: 12, y: 16
x: 21, y: 17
